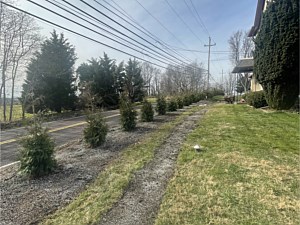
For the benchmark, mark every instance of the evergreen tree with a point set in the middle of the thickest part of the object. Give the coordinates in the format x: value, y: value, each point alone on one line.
x: 161, y: 106
x: 133, y: 81
x: 276, y: 56
x: 101, y: 74
x: 147, y: 112
x: 128, y: 113
x: 50, y: 75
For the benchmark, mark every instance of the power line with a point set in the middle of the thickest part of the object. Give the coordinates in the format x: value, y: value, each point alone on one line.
x: 97, y: 27
x: 96, y: 31
x: 79, y: 34
x: 201, y: 21
x: 93, y: 40
x: 196, y: 18
x: 183, y: 21
x: 105, y: 24
x: 162, y: 25
x: 125, y: 28
x: 148, y: 33
x: 120, y: 32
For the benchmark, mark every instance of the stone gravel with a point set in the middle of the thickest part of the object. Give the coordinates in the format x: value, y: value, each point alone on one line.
x: 24, y: 201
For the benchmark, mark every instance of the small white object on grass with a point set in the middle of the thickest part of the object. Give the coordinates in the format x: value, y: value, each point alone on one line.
x: 197, y: 147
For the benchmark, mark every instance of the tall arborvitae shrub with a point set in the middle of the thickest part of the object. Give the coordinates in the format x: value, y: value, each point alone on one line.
x: 179, y: 103
x: 147, y: 112
x: 172, y: 105
x: 37, y: 152
x: 276, y: 55
x: 161, y: 106
x: 128, y: 114
x: 186, y: 100
x: 96, y: 130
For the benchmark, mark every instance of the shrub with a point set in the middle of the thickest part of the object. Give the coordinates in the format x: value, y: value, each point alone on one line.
x: 200, y: 96
x: 161, y: 106
x: 193, y: 98
x: 276, y: 54
x: 147, y: 111
x: 37, y: 153
x: 186, y: 100
x: 128, y: 114
x: 256, y: 99
x: 179, y: 103
x: 96, y: 130
x: 172, y: 105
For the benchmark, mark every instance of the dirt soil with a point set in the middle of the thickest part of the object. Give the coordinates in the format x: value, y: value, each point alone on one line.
x: 140, y: 203
x: 24, y: 201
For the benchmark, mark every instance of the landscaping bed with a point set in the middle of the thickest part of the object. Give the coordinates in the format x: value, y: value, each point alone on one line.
x: 29, y: 201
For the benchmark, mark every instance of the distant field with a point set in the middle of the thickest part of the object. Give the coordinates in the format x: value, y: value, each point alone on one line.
x: 248, y: 172
x: 17, y: 113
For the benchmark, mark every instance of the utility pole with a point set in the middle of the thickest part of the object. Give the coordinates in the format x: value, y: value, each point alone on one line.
x: 209, y: 45
x: 222, y: 81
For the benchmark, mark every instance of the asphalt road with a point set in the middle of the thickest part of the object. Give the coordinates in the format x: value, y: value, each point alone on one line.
x: 63, y: 131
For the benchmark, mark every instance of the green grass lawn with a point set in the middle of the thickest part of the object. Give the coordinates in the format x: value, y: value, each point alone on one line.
x: 17, y: 113
x: 248, y: 172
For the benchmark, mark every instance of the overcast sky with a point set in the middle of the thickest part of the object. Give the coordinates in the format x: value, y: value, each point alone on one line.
x: 220, y: 18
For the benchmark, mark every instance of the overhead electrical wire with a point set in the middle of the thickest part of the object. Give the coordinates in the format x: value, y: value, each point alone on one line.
x: 176, y: 13
x: 201, y: 21
x: 91, y: 39
x: 146, y: 33
x: 142, y: 29
x: 196, y: 18
x: 82, y: 35
x: 108, y: 17
x: 170, y: 60
x: 161, y: 24
x: 115, y: 30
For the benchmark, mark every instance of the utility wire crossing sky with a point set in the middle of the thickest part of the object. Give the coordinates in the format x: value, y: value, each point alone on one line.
x: 158, y: 31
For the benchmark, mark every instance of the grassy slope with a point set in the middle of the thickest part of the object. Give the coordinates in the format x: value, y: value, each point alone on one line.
x: 108, y: 187
x: 17, y: 113
x: 247, y: 174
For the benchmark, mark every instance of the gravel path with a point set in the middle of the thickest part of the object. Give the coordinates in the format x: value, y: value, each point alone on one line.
x: 25, y: 201
x: 140, y: 203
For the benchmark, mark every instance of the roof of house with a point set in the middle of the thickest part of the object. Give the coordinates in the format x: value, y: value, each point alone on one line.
x: 244, y: 66
x: 259, y: 11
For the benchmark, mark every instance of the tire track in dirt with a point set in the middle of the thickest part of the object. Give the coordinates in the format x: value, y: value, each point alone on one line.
x: 140, y: 203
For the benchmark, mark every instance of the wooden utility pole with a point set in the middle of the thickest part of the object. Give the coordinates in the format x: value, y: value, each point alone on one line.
x: 209, y: 45
x: 222, y: 79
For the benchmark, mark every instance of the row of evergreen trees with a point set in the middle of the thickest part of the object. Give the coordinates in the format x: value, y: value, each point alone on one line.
x: 51, y: 84
x: 37, y: 155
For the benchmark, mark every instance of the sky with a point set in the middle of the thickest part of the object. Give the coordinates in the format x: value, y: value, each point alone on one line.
x: 180, y: 30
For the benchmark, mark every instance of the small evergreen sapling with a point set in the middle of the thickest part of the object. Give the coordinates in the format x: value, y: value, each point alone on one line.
x: 96, y: 130
x: 161, y: 106
x: 179, y: 103
x: 37, y: 153
x: 147, y: 111
x: 172, y: 105
x: 186, y: 100
x: 128, y: 114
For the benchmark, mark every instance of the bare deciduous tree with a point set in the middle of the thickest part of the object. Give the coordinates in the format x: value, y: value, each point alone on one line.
x: 241, y: 45
x: 185, y: 78
x: 19, y: 38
